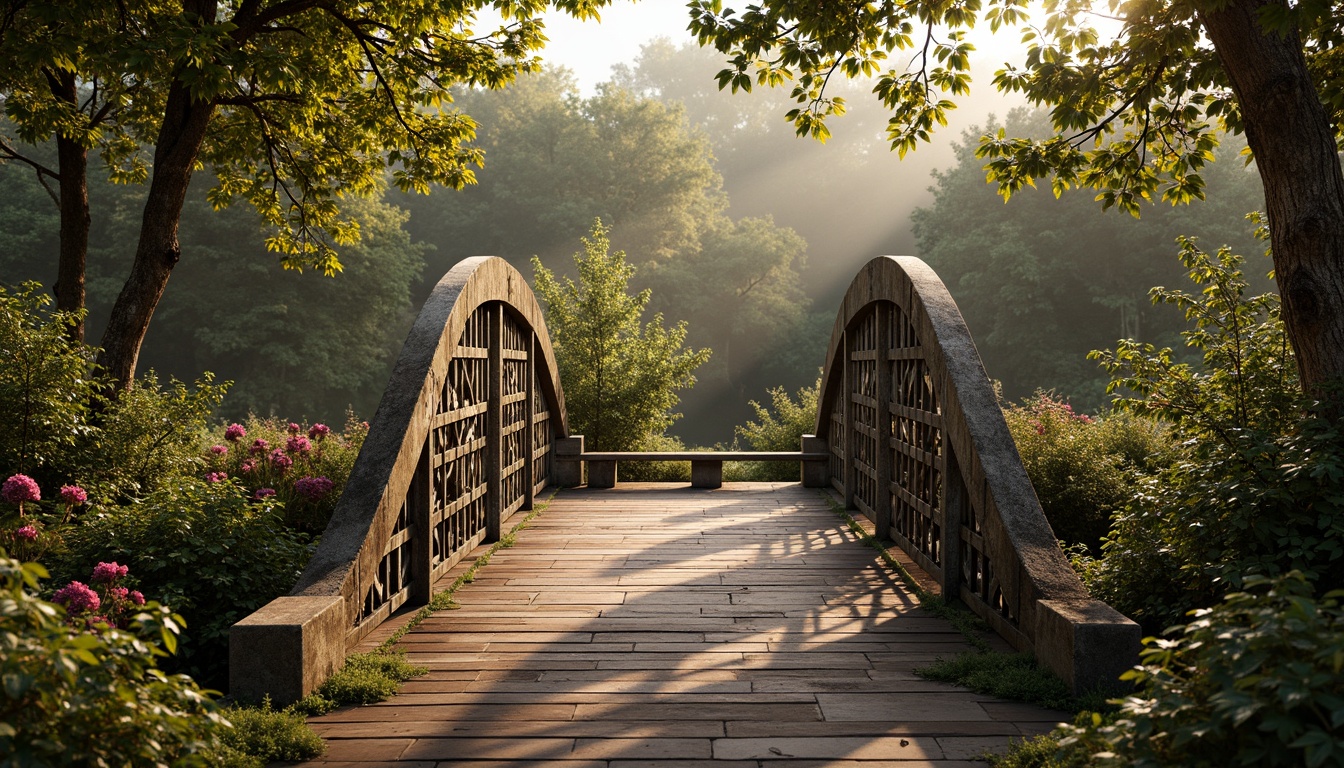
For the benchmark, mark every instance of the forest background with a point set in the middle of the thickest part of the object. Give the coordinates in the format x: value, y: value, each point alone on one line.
x: 738, y: 227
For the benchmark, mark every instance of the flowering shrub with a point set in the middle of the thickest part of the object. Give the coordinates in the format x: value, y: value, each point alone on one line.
x: 76, y: 698
x: 305, y: 468
x: 313, y: 488
x: 207, y: 549
x: 19, y: 489
x: 106, y: 603
x: 1080, y: 466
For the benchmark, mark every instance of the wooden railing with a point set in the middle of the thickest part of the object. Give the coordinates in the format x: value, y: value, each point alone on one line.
x: 462, y: 439
x: 919, y: 445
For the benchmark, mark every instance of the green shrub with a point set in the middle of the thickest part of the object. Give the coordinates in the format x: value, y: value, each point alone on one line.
x: 1041, y: 752
x: 1256, y: 487
x: 145, y: 439
x: 205, y: 548
x: 148, y: 439
x: 92, y: 698
x: 45, y: 387
x: 1257, y: 680
x: 266, y: 735
x: 1082, y: 467
x: 366, y: 678
x: 247, y: 452
x: 779, y: 430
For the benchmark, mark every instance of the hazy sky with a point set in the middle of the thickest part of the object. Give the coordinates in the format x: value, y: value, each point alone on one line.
x: 591, y: 49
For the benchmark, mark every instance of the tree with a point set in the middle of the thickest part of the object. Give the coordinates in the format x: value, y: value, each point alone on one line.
x: 620, y: 374
x: 557, y: 161
x: 1135, y: 117
x: 1045, y: 280
x: 742, y: 286
x: 295, y: 344
x: 293, y: 104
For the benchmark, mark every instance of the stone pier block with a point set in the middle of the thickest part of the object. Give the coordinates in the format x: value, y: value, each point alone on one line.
x: 1086, y: 642
x: 286, y: 649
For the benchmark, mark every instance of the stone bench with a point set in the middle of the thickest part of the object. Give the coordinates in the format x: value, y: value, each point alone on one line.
x: 706, y: 466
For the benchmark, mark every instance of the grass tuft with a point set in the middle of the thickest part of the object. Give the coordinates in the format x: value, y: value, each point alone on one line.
x: 262, y: 735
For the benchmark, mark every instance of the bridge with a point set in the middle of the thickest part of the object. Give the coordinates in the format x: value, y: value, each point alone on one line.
x: 638, y: 624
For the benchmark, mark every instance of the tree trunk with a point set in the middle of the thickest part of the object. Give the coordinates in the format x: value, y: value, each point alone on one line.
x: 184, y: 125
x: 1290, y: 133
x: 73, y: 164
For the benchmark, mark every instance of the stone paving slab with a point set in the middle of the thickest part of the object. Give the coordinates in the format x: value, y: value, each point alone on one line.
x: 656, y: 626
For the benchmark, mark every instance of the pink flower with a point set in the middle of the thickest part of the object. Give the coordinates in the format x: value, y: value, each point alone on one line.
x: 280, y: 460
x: 120, y: 593
x: 318, y: 431
x: 216, y: 477
x: 1040, y: 428
x: 263, y: 493
x: 219, y: 450
x: 136, y: 597
x: 73, y: 495
x: 294, y: 429
x: 313, y: 488
x: 109, y: 572
x: 20, y: 488
x: 77, y: 597
x: 248, y: 466
x: 26, y: 533
x: 234, y: 433
x: 260, y: 446
x: 298, y: 444
x: 364, y: 425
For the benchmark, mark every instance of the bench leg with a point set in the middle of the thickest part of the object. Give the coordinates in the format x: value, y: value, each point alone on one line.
x: 706, y: 474
x: 601, y: 474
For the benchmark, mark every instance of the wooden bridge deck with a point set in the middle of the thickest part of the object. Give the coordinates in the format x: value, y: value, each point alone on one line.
x: 653, y: 625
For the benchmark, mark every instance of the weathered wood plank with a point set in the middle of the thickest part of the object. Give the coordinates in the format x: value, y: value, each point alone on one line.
x: 656, y: 627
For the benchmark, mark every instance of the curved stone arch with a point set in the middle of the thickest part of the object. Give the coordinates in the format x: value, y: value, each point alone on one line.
x: 463, y: 437
x: 919, y: 444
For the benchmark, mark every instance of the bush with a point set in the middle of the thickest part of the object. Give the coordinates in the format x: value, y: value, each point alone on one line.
x: 143, y: 440
x: 263, y: 735
x: 148, y: 439
x: 366, y: 678
x: 1256, y: 487
x: 92, y: 698
x: 306, y: 467
x: 1255, y: 681
x: 780, y: 430
x: 205, y: 548
x: 45, y: 386
x: 1082, y: 467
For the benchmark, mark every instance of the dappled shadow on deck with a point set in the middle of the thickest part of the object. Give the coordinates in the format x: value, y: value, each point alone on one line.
x: 655, y: 625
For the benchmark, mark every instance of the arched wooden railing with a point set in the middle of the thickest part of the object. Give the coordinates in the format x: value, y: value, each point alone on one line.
x: 918, y: 443
x: 463, y: 437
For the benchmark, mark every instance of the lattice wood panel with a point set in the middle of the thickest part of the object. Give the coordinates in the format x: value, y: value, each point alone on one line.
x: 542, y: 436
x: 457, y: 444
x: 391, y: 583
x: 915, y: 446
x: 864, y: 427
x: 513, y: 475
x: 978, y: 576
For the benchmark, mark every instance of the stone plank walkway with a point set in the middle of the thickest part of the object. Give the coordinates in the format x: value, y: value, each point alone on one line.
x: 657, y: 626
